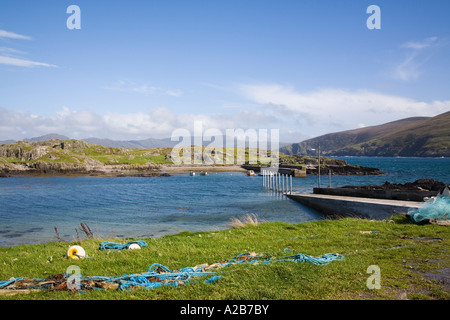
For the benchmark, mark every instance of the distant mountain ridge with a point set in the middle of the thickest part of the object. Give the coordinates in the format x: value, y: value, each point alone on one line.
x: 130, y: 144
x: 410, y: 137
x: 133, y: 144
x: 47, y: 137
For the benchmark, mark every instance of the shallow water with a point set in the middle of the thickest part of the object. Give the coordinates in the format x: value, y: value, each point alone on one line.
x: 31, y: 207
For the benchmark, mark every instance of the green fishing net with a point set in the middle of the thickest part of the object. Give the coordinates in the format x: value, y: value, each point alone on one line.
x: 436, y: 208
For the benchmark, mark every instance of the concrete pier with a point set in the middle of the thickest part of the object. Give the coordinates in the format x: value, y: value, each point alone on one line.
x: 407, y: 195
x: 342, y: 206
x: 294, y: 171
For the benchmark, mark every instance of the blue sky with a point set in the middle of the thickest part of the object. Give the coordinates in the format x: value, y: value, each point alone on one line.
x: 140, y: 69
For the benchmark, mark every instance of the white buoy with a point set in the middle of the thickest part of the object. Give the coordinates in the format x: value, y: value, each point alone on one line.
x: 134, y: 246
x: 75, y: 252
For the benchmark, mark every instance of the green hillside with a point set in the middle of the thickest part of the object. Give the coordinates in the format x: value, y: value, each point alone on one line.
x: 410, y: 137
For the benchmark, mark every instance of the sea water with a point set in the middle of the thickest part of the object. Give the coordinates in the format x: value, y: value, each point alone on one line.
x: 32, y: 207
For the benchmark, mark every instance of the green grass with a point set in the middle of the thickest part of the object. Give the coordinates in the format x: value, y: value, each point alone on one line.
x: 403, y: 269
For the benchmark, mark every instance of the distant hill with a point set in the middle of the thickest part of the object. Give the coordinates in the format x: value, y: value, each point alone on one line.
x: 47, y: 137
x: 6, y: 141
x: 410, y: 137
x: 131, y: 144
x: 135, y: 144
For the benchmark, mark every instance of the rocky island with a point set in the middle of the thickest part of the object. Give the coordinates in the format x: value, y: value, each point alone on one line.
x: 327, y: 165
x: 76, y: 157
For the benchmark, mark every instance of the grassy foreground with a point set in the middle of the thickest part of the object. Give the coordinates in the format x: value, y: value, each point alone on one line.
x: 411, y: 259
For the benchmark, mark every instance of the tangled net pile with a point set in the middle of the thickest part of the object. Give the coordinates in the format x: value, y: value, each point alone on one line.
x: 434, y: 210
x: 157, y: 275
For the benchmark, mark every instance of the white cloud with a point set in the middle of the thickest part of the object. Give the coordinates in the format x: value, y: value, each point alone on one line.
x: 10, y: 57
x: 298, y: 116
x: 12, y: 35
x: 9, y: 51
x: 410, y: 68
x: 420, y: 44
x: 18, y: 62
x: 156, y: 123
x: 130, y: 86
x: 325, y: 110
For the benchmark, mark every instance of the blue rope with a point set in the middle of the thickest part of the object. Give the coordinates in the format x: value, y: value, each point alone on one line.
x: 6, y: 283
x: 324, y: 260
x: 107, y: 245
x: 158, y: 275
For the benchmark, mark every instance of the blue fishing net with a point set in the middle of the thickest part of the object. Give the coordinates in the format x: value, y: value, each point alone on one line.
x: 436, y: 208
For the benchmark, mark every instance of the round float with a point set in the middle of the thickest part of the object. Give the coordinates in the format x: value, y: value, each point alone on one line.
x: 134, y: 246
x: 75, y: 252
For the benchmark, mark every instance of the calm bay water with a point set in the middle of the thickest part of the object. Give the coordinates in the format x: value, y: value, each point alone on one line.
x: 30, y: 207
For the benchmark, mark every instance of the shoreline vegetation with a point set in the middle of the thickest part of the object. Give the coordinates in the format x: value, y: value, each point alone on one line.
x: 78, y: 158
x: 413, y: 261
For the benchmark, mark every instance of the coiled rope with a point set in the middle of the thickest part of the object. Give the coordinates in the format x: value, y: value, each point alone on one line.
x: 108, y: 245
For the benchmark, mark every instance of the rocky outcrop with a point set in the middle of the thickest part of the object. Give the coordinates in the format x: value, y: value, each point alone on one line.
x: 327, y: 165
x: 65, y: 157
x: 59, y: 168
x: 346, y: 169
x: 421, y: 185
x: 418, y: 190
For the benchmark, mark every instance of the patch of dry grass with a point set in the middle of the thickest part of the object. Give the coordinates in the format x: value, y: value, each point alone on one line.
x: 249, y: 219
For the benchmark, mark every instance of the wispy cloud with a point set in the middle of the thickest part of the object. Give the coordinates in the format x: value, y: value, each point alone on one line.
x: 10, y: 51
x: 410, y: 67
x: 22, y: 62
x: 13, y: 35
x: 420, y: 44
x: 12, y: 57
x: 129, y: 86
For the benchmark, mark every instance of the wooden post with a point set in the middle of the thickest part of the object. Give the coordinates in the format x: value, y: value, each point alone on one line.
x: 319, y: 166
x: 329, y: 178
x: 291, y: 183
x: 264, y: 178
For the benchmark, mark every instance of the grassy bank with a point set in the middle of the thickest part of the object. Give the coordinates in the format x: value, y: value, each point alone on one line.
x: 411, y: 259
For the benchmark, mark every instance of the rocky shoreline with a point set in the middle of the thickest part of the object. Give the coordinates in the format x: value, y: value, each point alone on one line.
x: 65, y: 169
x: 419, y: 190
x: 61, y: 169
x: 343, y: 170
x: 327, y: 166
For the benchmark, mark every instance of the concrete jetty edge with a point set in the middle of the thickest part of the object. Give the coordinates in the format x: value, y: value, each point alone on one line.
x: 342, y: 206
